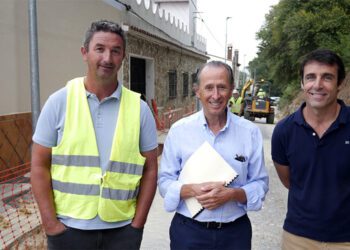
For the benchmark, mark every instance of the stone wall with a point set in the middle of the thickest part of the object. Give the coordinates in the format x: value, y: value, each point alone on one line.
x: 167, y: 59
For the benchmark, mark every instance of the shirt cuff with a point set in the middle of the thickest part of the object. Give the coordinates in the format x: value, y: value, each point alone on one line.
x: 172, y: 198
x: 254, y: 199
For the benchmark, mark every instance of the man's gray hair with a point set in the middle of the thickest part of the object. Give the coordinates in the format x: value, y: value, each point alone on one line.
x: 105, y: 26
x: 217, y: 64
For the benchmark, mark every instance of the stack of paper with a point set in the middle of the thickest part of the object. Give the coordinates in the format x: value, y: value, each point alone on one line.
x: 205, y: 165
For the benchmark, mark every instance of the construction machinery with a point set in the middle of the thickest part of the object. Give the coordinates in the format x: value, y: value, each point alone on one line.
x: 258, y: 103
x: 246, y: 86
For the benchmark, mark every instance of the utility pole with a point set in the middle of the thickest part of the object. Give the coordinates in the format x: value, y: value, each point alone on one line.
x: 244, y: 72
x: 227, y: 18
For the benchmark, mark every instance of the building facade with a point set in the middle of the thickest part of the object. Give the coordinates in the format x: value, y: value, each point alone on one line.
x: 158, y: 46
x: 160, y: 63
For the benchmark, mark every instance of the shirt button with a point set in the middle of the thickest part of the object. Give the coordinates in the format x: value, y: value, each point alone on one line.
x: 314, y: 134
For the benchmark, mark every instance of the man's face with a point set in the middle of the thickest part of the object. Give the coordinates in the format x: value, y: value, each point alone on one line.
x: 105, y: 56
x: 214, y: 91
x: 235, y: 95
x: 320, y: 85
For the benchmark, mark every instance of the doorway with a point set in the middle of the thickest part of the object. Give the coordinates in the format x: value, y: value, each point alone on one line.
x: 138, y: 76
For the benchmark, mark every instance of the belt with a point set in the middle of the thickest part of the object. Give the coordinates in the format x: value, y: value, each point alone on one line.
x: 209, y: 224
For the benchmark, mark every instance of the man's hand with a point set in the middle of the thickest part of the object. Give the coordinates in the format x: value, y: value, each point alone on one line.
x: 213, y: 195
x: 54, y: 228
x: 194, y: 190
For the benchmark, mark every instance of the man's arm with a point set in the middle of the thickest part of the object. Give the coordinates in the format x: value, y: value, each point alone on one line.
x: 148, y: 187
x: 256, y: 179
x: 241, y: 111
x: 40, y: 177
x: 283, y: 174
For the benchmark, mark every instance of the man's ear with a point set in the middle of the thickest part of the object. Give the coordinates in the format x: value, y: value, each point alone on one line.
x: 301, y: 85
x: 83, y: 53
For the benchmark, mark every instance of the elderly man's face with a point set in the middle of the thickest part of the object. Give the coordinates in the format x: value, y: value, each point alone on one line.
x: 214, y: 91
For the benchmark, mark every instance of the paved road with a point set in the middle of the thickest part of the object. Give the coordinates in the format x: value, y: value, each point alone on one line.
x: 267, y: 223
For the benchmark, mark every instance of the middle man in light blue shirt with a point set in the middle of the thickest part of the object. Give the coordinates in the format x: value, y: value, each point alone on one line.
x: 223, y: 224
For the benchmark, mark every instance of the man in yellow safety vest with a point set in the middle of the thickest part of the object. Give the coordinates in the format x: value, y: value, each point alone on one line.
x: 261, y: 94
x: 94, y: 157
x: 236, y: 103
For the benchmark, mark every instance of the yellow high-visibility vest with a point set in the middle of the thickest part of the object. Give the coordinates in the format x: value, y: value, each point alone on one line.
x: 236, y: 105
x: 80, y: 189
x: 261, y: 94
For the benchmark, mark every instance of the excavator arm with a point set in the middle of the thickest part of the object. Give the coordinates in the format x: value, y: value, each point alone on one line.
x: 245, y: 87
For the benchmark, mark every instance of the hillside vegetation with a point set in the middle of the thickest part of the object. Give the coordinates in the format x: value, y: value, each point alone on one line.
x: 344, y: 94
x: 292, y: 29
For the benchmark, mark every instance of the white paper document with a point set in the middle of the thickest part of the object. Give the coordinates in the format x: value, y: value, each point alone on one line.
x: 205, y: 165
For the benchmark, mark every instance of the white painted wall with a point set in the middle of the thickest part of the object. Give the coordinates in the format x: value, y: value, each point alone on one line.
x: 61, y: 28
x: 178, y: 10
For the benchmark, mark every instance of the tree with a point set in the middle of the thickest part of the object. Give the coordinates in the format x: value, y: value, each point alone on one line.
x: 295, y: 27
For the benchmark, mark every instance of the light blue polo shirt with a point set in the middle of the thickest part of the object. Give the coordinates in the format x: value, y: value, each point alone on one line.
x: 50, y: 127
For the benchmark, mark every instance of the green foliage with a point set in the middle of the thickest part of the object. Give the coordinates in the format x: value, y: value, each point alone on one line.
x: 292, y: 29
x: 289, y: 93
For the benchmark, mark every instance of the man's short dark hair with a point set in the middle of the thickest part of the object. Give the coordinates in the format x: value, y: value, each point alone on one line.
x: 105, y: 26
x: 325, y: 56
x: 217, y: 64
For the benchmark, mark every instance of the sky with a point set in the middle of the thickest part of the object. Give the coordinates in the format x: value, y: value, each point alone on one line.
x: 247, y: 17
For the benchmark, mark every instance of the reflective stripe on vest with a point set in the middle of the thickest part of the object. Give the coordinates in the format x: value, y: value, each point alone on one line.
x: 84, y: 189
x: 80, y: 189
x: 90, y: 161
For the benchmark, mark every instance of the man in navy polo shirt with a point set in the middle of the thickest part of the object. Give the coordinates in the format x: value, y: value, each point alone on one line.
x: 311, y: 153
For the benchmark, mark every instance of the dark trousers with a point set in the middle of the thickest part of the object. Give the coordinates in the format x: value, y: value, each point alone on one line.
x: 125, y: 237
x: 185, y: 233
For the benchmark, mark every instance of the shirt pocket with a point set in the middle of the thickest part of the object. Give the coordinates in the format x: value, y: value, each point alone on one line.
x: 241, y: 167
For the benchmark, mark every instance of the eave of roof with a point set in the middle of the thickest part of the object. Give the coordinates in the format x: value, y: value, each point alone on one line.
x: 174, y: 44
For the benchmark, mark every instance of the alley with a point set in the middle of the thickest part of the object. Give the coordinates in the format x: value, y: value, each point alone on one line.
x: 267, y: 223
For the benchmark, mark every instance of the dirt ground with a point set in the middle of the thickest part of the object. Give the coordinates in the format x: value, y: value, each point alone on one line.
x: 36, y: 239
x: 20, y: 225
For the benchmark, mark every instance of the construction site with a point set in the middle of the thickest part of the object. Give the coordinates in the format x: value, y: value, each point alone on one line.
x: 162, y: 56
x: 165, y: 53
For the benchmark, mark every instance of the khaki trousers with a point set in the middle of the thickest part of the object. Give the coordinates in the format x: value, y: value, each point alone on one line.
x: 294, y: 242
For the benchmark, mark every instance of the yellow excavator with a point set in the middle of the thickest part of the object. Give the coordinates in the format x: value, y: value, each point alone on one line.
x: 245, y: 87
x: 258, y: 103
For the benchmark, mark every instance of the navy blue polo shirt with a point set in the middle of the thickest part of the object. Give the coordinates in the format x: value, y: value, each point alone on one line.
x: 319, y: 193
